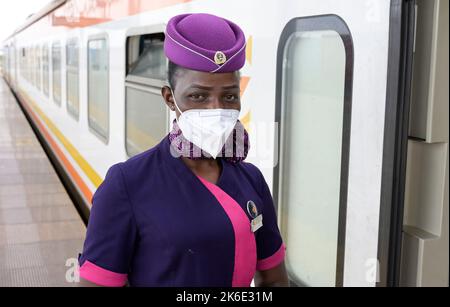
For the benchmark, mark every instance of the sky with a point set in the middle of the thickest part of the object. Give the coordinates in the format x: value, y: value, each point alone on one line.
x: 13, y: 14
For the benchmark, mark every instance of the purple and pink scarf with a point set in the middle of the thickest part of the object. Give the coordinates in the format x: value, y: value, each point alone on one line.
x: 234, y: 151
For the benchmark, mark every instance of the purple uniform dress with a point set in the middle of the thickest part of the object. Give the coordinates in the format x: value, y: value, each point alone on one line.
x: 155, y: 223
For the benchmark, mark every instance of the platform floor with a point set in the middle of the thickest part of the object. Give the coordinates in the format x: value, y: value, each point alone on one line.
x: 40, y: 229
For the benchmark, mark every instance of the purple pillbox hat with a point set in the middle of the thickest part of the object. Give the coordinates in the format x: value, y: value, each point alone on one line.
x: 205, y: 42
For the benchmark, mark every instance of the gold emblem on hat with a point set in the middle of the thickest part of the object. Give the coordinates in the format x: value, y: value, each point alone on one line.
x: 220, y: 58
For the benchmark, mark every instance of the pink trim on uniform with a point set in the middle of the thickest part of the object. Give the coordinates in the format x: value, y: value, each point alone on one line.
x: 100, y: 276
x: 245, y: 243
x: 272, y: 261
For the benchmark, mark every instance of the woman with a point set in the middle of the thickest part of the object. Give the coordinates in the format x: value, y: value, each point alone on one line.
x: 189, y: 211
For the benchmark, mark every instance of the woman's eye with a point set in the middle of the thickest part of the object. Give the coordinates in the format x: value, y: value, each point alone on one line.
x: 197, y: 96
x: 231, y: 97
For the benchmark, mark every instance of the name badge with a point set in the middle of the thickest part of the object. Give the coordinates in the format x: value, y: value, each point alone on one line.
x: 256, y: 223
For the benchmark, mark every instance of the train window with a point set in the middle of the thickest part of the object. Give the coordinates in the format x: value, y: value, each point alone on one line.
x: 34, y: 65
x: 56, y: 68
x: 98, y: 87
x: 146, y: 57
x: 145, y: 113
x: 72, y: 77
x: 30, y: 64
x: 27, y: 64
x: 22, y: 63
x: 314, y: 114
x: 45, y: 70
x: 21, y: 60
x: 6, y: 62
x: 30, y: 57
x: 38, y: 67
x: 28, y: 61
x: 2, y: 62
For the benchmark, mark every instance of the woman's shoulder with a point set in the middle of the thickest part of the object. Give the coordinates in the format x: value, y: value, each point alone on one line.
x: 139, y: 165
x: 249, y: 167
x: 151, y: 155
x: 252, y: 172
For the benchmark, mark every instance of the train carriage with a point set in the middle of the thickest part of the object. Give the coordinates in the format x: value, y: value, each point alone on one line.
x: 327, y: 90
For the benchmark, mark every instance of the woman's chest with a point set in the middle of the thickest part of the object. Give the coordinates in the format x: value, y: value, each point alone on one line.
x: 193, y: 217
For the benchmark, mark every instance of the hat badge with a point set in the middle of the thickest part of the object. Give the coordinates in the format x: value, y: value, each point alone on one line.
x: 220, y: 58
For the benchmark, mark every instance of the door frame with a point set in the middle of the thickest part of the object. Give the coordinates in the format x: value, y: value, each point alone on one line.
x: 395, y: 144
x: 321, y: 23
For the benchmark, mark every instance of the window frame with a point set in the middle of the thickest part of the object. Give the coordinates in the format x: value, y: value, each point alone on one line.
x: 46, y: 72
x: 35, y: 62
x: 328, y: 22
x: 97, y: 37
x: 38, y: 67
x: 22, y: 69
x: 70, y: 41
x: 60, y: 45
x: 32, y: 81
x: 140, y: 31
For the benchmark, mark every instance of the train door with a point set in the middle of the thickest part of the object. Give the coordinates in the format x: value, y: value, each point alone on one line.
x: 342, y: 103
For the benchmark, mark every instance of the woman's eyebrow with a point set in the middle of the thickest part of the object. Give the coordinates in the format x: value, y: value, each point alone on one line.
x: 200, y: 87
x: 230, y: 87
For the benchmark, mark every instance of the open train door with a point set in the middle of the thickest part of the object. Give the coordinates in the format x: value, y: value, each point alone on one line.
x: 342, y: 103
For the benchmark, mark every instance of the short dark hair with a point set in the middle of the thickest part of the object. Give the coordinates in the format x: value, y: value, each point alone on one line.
x: 172, y: 71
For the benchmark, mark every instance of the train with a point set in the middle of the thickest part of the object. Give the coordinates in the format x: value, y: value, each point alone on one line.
x: 346, y: 103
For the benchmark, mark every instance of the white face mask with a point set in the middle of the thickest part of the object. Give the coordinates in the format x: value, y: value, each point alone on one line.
x: 207, y: 128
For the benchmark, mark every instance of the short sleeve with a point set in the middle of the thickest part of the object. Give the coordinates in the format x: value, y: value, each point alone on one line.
x: 111, y: 233
x: 270, y: 246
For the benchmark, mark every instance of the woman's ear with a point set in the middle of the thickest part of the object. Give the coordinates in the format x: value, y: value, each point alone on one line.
x: 166, y: 93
